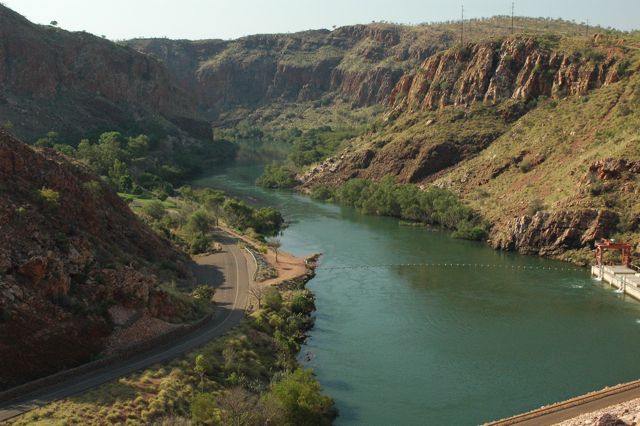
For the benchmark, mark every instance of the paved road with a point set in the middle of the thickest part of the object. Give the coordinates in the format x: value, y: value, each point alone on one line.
x: 229, y: 271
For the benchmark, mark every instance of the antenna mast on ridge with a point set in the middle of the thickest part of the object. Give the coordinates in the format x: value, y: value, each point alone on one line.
x: 462, y: 26
x: 587, y: 28
x: 513, y: 6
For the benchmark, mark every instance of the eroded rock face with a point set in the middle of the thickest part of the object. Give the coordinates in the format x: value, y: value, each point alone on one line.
x: 552, y: 233
x: 517, y: 68
x: 64, y: 262
x: 612, y: 168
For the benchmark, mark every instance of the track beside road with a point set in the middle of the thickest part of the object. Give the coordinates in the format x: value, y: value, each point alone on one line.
x: 574, y: 407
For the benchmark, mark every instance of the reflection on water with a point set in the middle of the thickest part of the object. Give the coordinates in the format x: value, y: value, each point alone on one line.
x: 408, y: 346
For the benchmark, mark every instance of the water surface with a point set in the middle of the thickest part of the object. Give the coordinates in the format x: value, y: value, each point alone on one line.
x: 448, y: 345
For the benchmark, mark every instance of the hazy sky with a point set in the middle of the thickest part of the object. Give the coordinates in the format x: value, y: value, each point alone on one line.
x: 198, y: 19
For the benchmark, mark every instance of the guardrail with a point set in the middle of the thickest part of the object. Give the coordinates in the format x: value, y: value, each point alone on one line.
x: 255, y: 274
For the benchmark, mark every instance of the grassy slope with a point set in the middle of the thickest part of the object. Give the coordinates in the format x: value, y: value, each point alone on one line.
x: 248, y: 356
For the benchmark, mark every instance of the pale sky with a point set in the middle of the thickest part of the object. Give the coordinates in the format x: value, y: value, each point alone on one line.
x: 202, y: 19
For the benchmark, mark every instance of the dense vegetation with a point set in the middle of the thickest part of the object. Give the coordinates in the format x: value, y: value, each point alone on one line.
x: 277, y: 176
x: 433, y: 206
x: 133, y: 164
x: 304, y: 148
x: 248, y: 377
x: 189, y: 216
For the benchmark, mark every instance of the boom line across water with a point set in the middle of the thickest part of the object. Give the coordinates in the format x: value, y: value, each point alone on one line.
x: 451, y: 265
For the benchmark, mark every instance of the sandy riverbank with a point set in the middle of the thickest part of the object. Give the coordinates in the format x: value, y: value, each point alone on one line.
x: 288, y: 266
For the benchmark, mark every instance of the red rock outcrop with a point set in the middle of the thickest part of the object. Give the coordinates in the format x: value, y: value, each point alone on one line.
x: 65, y: 259
x: 552, y: 233
x: 516, y: 68
x: 612, y: 168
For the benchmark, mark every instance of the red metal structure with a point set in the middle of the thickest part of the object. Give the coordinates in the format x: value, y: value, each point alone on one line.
x: 605, y: 245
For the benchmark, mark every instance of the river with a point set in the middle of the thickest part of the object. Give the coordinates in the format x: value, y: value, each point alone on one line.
x: 446, y: 345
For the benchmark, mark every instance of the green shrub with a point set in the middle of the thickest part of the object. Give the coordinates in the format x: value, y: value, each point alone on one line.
x: 434, y: 206
x: 203, y: 292
x: 273, y: 299
x: 49, y: 196
x: 470, y: 232
x: 199, y: 223
x: 300, y: 396
x: 276, y: 176
x: 204, y: 409
x: 526, y: 166
x: 199, y: 244
x: 536, y: 206
x: 154, y: 209
x: 302, y: 303
x: 321, y: 192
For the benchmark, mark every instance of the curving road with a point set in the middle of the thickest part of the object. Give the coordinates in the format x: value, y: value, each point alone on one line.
x: 229, y: 271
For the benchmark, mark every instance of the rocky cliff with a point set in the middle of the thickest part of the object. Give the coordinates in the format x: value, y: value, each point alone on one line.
x: 360, y: 63
x: 516, y: 68
x: 51, y: 79
x: 70, y: 249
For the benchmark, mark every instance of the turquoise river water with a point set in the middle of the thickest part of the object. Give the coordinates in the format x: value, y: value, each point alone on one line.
x: 447, y: 345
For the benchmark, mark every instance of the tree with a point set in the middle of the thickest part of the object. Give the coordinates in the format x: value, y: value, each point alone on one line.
x: 53, y: 23
x: 138, y: 146
x: 302, y: 303
x: 203, y: 409
x: 49, y: 140
x: 273, y: 299
x: 301, y: 398
x: 268, y: 221
x: 199, y: 223
x: 258, y: 292
x: 276, y: 176
x: 118, y: 172
x: 237, y: 213
x: 201, y: 368
x: 275, y: 244
x: 213, y: 201
x: 238, y: 407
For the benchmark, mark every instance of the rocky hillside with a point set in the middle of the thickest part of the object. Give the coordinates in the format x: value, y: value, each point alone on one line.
x: 534, y: 132
x: 360, y: 64
x: 73, y: 83
x: 70, y: 249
